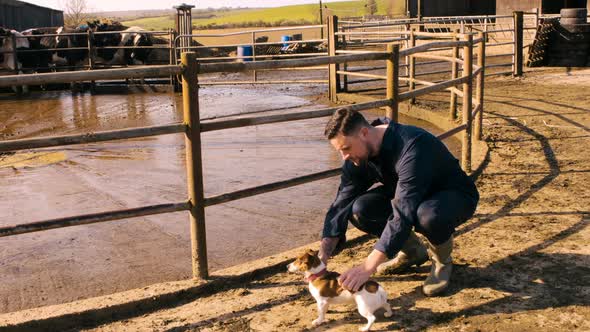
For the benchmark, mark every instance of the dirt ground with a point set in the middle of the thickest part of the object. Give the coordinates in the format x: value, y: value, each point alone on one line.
x: 521, y: 264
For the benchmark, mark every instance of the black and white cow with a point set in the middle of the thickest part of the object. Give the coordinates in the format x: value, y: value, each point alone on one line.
x: 3, y: 34
x: 38, y: 58
x: 7, y: 49
x: 116, y: 36
x: 72, y: 50
x: 70, y: 55
x: 133, y: 37
x: 138, y: 55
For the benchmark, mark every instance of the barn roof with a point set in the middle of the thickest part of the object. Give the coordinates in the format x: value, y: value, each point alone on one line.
x: 17, y: 3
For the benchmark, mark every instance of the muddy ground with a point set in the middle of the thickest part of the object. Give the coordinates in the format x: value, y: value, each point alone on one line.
x: 521, y: 264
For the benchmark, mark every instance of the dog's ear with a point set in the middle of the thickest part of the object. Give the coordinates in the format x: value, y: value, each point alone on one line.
x: 315, y: 252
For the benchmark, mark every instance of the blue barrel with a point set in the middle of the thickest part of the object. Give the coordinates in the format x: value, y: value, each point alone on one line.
x: 244, y: 51
x: 286, y: 38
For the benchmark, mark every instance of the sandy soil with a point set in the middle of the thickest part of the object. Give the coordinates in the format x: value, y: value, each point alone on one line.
x: 521, y: 264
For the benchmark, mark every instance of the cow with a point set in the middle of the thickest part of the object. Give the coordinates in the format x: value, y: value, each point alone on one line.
x: 110, y: 39
x: 3, y: 34
x: 7, y: 50
x: 44, y: 39
x: 136, y: 38
x: 71, y: 53
x: 40, y: 59
x: 114, y: 44
x: 139, y: 54
x: 119, y: 36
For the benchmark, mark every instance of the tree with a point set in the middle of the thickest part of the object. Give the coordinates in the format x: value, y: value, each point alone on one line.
x: 75, y: 12
x: 371, y: 7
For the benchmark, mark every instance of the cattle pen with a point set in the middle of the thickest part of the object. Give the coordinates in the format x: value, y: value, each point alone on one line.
x: 508, y: 37
x: 192, y: 127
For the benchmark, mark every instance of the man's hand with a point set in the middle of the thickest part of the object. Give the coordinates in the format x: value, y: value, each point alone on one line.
x: 354, y: 278
x: 327, y: 248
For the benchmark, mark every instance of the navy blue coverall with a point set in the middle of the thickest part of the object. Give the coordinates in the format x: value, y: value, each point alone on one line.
x: 429, y: 189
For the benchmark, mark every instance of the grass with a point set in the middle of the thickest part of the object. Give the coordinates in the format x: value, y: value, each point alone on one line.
x: 152, y: 23
x: 287, y: 15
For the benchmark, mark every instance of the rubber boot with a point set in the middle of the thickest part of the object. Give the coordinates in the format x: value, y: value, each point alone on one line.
x: 442, y: 266
x: 413, y: 253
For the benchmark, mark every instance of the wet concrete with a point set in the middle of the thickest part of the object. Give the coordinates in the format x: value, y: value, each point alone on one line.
x: 77, y: 262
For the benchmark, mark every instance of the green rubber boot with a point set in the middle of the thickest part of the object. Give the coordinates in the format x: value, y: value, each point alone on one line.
x: 413, y: 253
x: 442, y: 266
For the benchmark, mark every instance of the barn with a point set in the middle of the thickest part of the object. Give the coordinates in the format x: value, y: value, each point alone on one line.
x: 490, y: 7
x: 19, y: 15
x: 451, y: 7
x: 505, y: 7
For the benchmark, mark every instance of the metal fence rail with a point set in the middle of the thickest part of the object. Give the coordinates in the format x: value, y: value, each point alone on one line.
x: 184, y: 43
x: 516, y: 30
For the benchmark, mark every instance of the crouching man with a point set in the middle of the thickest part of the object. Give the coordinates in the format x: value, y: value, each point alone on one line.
x: 422, y: 189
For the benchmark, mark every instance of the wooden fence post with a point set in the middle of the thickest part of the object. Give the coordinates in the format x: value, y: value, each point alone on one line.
x: 412, y: 66
x: 344, y: 66
x: 407, y: 45
x: 454, y: 75
x: 392, y: 81
x: 481, y: 62
x: 333, y: 68
x: 194, y: 164
x: 467, y: 104
x: 518, y: 42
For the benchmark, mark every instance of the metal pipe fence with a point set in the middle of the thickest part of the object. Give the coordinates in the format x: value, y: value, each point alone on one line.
x: 261, y: 50
x: 501, y: 31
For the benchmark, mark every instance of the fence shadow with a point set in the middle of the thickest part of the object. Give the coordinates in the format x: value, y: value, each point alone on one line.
x: 563, y: 277
x: 553, y: 172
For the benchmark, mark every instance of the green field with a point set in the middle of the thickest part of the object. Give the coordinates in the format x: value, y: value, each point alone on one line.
x: 287, y: 15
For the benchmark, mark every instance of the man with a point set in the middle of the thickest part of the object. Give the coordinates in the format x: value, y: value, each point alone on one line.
x: 431, y: 194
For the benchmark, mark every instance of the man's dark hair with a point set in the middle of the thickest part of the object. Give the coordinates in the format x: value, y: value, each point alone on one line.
x: 345, y: 122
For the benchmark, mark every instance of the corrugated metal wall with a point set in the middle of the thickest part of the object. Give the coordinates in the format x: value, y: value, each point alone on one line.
x: 453, y: 7
x: 491, y: 7
x: 487, y: 7
x: 506, y: 7
x: 554, y: 6
x: 20, y: 15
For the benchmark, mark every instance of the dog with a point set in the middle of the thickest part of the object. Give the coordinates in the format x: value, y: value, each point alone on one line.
x: 324, y: 287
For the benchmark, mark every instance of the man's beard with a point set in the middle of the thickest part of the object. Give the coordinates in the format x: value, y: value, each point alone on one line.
x: 363, y: 162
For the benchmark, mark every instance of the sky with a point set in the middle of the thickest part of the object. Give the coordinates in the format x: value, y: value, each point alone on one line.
x: 114, y: 5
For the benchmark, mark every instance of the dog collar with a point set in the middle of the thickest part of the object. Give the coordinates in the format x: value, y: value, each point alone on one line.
x: 313, y: 277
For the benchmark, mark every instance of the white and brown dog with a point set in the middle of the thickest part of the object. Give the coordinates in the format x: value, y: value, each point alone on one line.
x: 324, y: 287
